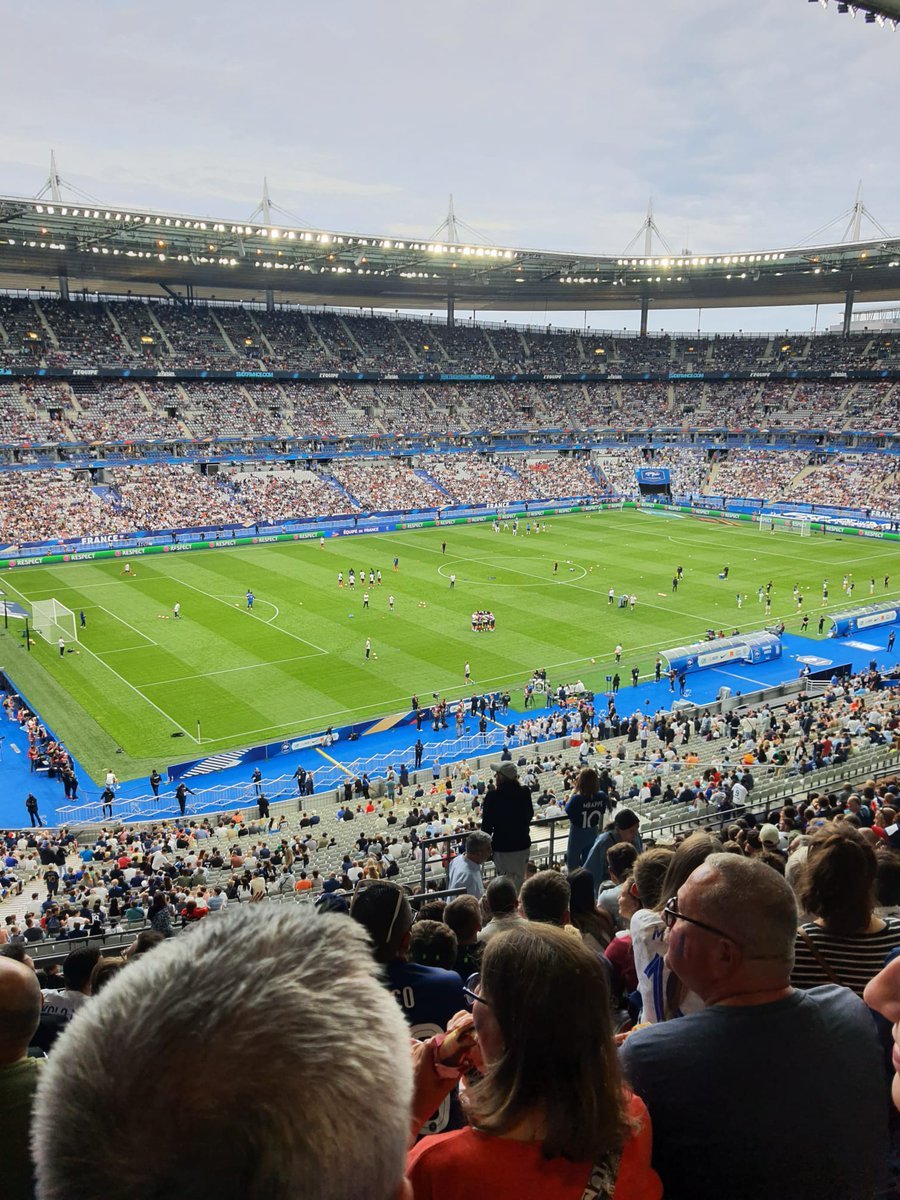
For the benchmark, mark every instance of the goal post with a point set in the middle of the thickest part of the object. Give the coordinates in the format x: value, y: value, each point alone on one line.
x: 769, y: 522
x: 53, y: 621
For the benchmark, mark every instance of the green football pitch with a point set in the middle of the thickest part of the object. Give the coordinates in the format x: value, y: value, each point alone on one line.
x: 297, y: 663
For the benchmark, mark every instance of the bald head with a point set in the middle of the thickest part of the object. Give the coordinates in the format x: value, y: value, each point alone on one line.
x: 20, y: 1009
x: 733, y: 938
x: 748, y: 900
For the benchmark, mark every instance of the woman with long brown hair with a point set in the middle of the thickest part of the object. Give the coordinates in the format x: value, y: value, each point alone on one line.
x: 844, y: 942
x: 550, y: 1114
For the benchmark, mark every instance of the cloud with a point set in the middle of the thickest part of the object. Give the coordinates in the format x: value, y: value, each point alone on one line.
x: 551, y: 122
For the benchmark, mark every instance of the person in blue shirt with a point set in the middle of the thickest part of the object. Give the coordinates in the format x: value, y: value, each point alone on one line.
x: 625, y: 828
x: 428, y: 996
x: 585, y: 809
x: 250, y: 598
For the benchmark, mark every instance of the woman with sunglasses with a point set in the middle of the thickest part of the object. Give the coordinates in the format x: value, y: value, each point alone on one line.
x: 549, y: 1115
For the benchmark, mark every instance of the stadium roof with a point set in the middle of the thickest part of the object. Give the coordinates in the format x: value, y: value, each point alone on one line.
x: 874, y: 11
x: 117, y: 251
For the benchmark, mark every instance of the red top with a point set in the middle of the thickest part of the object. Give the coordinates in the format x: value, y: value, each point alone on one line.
x: 466, y: 1163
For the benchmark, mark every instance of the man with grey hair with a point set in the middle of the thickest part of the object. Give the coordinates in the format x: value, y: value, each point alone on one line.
x: 198, y: 1024
x: 719, y: 1082
x: 465, y: 869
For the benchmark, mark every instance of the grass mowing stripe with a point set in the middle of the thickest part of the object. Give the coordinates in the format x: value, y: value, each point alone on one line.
x: 235, y: 675
x: 122, y: 679
x: 250, y: 613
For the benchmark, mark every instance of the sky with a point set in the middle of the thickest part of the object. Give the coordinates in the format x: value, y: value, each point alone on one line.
x: 552, y: 122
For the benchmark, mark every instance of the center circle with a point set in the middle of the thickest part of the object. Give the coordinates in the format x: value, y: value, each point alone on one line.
x: 494, y: 575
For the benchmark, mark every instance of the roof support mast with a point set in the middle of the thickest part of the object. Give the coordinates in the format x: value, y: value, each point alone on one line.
x: 52, y: 184
x: 453, y: 238
x: 854, y: 229
x: 648, y: 250
x: 648, y: 228
x: 448, y: 231
x: 264, y: 211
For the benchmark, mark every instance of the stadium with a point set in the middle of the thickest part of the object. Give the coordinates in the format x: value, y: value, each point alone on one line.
x: 316, y: 562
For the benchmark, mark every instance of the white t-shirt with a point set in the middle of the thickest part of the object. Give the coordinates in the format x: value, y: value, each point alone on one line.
x: 63, y: 1003
x: 649, y: 947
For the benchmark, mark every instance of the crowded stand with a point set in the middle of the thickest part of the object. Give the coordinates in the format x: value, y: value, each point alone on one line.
x: 468, y: 350
x: 41, y: 413
x: 559, y: 351
x: 403, y: 410
x: 218, y: 410
x: 45, y: 505
x: 496, y: 406
x: 290, y: 340
x: 468, y: 479
x: 807, y: 889
x: 52, y: 503
x: 876, y: 404
x: 723, y: 352
x: 510, y: 347
x: 314, y: 410
x: 194, y: 337
x: 138, y: 330
x: 379, y: 486
x: 761, y: 474
x: 832, y: 352
x: 633, y: 405
x: 274, y: 495
x: 110, y: 330
x: 551, y: 476
x: 23, y: 335
x: 380, y: 343
x: 242, y: 333
x: 23, y: 417
x: 81, y: 334
x: 172, y: 497
x: 618, y: 465
x: 114, y: 411
x: 843, y: 479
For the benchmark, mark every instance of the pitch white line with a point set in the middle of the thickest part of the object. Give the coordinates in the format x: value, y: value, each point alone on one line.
x: 743, y: 678
x: 230, y: 604
x: 121, y: 650
x: 600, y: 592
x: 228, y: 670
x: 74, y: 587
x: 116, y: 617
x: 822, y: 562
x: 162, y: 712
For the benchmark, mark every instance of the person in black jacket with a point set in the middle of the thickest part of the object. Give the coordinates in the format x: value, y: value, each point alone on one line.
x: 506, y: 816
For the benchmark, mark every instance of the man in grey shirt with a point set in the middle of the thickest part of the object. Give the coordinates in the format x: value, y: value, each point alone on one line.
x: 465, y: 869
x: 718, y: 1083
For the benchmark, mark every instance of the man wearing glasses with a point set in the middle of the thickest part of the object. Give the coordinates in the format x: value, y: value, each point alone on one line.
x: 719, y: 1083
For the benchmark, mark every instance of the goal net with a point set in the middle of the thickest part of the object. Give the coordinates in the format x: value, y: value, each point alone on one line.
x: 53, y: 621
x: 801, y: 525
